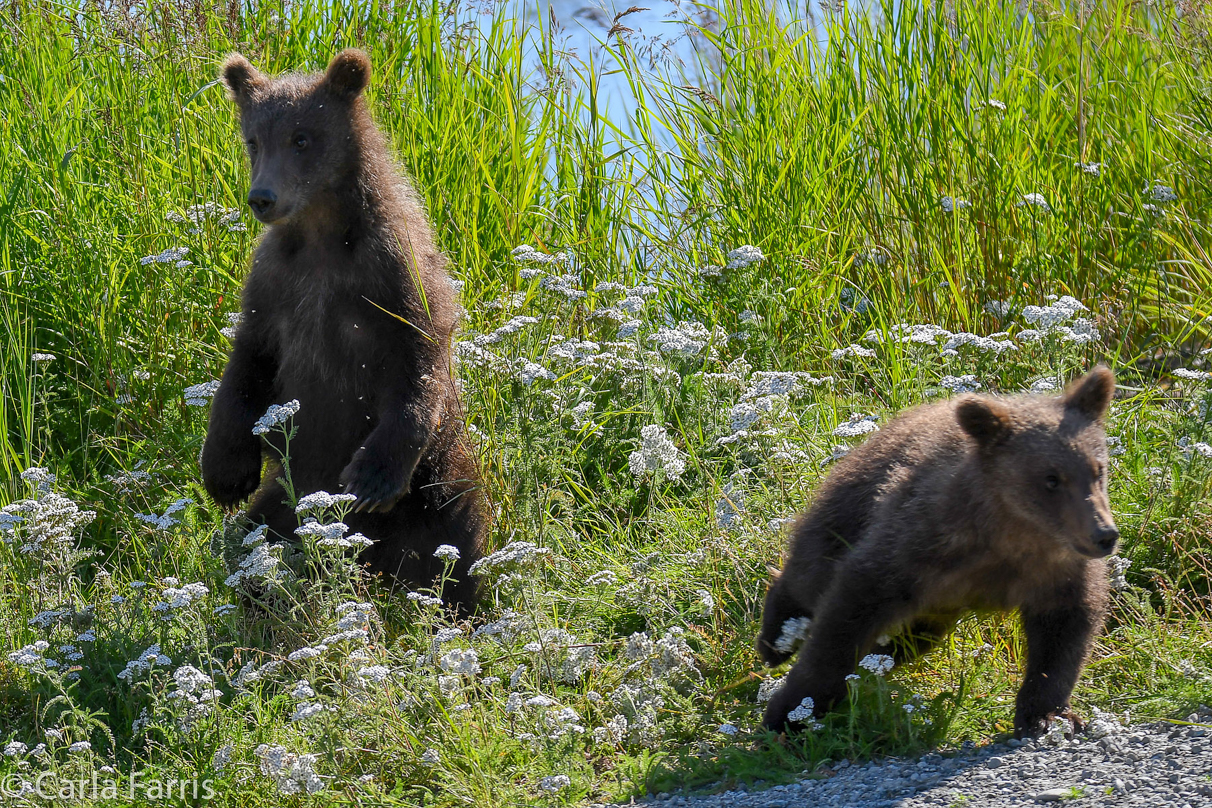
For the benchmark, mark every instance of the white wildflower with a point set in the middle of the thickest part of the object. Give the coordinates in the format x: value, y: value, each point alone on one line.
x: 857, y: 425
x: 173, y: 255
x: 196, y: 395
x: 686, y: 340
x: 960, y: 384
x: 293, y: 774
x: 656, y: 453
x: 276, y: 415
x: 744, y: 256
x: 768, y: 688
x: 234, y: 319
x: 513, y: 557
x: 222, y: 757
x: 1163, y: 193
x: 729, y: 508
x: 879, y: 664
x: 527, y: 254
x: 513, y: 326
x: 145, y: 662
x: 950, y: 205
x: 374, y: 674
x: 555, y: 783
x: 853, y: 350
x: 802, y: 711
x: 463, y: 662
x: 322, y: 500
x: 165, y: 520
x: 727, y: 729
x: 1036, y: 201
x: 1117, y: 569
x: 302, y: 691
x: 446, y: 552
x: 794, y: 632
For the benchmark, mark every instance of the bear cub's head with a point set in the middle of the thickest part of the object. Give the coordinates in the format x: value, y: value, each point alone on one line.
x: 1044, y: 458
x: 302, y: 131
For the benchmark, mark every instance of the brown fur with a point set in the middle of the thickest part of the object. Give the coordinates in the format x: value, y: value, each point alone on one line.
x: 347, y: 308
x: 973, y: 504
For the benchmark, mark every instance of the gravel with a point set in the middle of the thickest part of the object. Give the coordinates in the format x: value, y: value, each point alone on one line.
x: 1168, y: 765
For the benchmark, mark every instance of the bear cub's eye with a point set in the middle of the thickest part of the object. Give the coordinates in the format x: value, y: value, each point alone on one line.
x: 252, y: 146
x: 1052, y: 482
x: 301, y: 141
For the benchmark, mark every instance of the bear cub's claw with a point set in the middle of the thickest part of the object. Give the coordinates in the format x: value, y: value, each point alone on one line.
x: 1037, y: 726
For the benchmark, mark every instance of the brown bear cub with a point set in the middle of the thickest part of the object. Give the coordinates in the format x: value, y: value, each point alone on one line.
x: 348, y: 309
x: 978, y: 503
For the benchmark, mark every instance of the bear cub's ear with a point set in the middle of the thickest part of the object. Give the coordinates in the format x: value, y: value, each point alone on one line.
x: 984, y: 419
x: 348, y: 74
x: 1091, y: 394
x: 240, y: 77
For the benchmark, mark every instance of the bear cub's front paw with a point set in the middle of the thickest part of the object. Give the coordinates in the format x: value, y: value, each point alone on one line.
x: 230, y: 475
x: 1035, y: 726
x: 377, y: 479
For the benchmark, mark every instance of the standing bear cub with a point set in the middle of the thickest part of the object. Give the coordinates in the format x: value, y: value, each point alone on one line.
x: 974, y: 504
x: 348, y: 310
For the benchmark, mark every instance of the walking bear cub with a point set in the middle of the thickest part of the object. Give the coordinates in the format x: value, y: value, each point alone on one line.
x: 978, y: 503
x: 348, y: 309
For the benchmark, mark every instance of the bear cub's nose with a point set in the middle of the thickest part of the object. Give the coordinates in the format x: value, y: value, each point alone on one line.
x: 261, y: 200
x: 1106, y: 538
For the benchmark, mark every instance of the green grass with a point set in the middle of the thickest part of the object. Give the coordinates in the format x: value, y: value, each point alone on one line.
x: 832, y: 161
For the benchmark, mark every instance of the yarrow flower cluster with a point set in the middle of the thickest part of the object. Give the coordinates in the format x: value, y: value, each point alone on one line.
x: 744, y: 256
x: 173, y: 255
x: 165, y: 520
x: 879, y: 664
x: 802, y: 711
x: 331, y: 535
x: 960, y: 384
x: 321, y: 501
x: 197, y: 395
x: 1035, y: 201
x: 144, y: 663
x: 526, y: 254
x: 685, y: 340
x: 514, y: 325
x: 656, y: 453
x: 234, y: 318
x: 261, y: 565
x: 857, y: 425
x: 794, y: 632
x: 176, y: 598
x: 276, y: 414
x: 1052, y: 319
x: 950, y: 205
x: 513, y: 558
x: 292, y: 773
x: 198, y: 215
